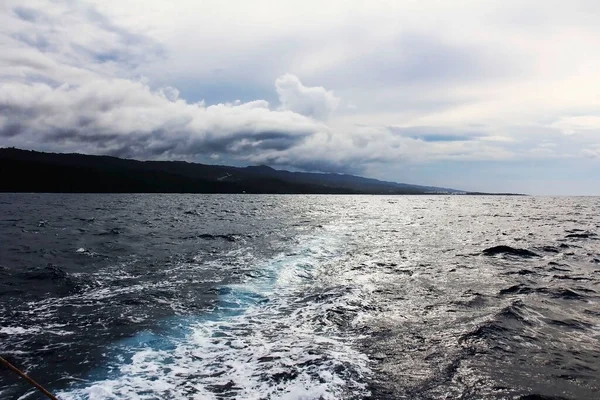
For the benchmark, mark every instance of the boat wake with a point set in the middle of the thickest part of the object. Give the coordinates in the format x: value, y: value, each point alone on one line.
x: 277, y: 335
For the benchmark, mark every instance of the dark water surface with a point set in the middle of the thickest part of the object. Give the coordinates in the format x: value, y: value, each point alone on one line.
x: 300, y: 297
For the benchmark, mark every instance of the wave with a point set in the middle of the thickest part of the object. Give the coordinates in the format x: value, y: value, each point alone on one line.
x: 513, y: 251
x: 270, y: 337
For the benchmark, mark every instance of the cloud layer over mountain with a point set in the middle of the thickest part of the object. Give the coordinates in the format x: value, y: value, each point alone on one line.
x: 383, y: 89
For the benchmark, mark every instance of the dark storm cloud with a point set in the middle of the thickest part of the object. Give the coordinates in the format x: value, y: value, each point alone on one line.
x: 76, y: 135
x: 318, y: 165
x: 281, y: 143
x: 11, y: 129
x: 242, y: 143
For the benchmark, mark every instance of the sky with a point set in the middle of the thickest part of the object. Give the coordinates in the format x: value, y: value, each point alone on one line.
x: 496, y: 95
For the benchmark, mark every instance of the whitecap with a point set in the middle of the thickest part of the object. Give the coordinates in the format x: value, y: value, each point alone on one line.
x: 261, y: 341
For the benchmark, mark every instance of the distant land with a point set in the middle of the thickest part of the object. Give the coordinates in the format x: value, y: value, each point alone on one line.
x: 33, y: 171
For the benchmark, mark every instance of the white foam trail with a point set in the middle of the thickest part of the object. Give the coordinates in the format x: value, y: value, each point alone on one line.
x: 264, y: 341
x: 49, y: 329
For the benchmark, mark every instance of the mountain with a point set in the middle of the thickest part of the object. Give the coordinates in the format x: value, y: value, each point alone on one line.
x: 366, y: 185
x: 33, y: 171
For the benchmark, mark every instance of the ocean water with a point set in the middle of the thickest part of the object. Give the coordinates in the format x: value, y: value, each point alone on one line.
x: 300, y: 297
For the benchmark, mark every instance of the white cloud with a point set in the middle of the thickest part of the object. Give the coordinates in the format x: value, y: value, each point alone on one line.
x: 593, y: 152
x: 316, y: 102
x: 578, y: 124
x: 169, y: 93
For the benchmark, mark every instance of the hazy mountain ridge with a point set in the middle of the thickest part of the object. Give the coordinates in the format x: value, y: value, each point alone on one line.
x: 33, y: 171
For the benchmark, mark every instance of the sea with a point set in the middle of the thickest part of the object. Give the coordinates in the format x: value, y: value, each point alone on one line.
x: 163, y: 296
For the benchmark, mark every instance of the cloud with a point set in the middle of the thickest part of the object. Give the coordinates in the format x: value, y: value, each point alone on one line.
x: 578, y: 124
x: 593, y: 152
x: 127, y: 118
x: 26, y: 14
x: 375, y: 87
x: 67, y: 42
x: 316, y: 102
x: 435, y: 134
x: 61, y: 91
